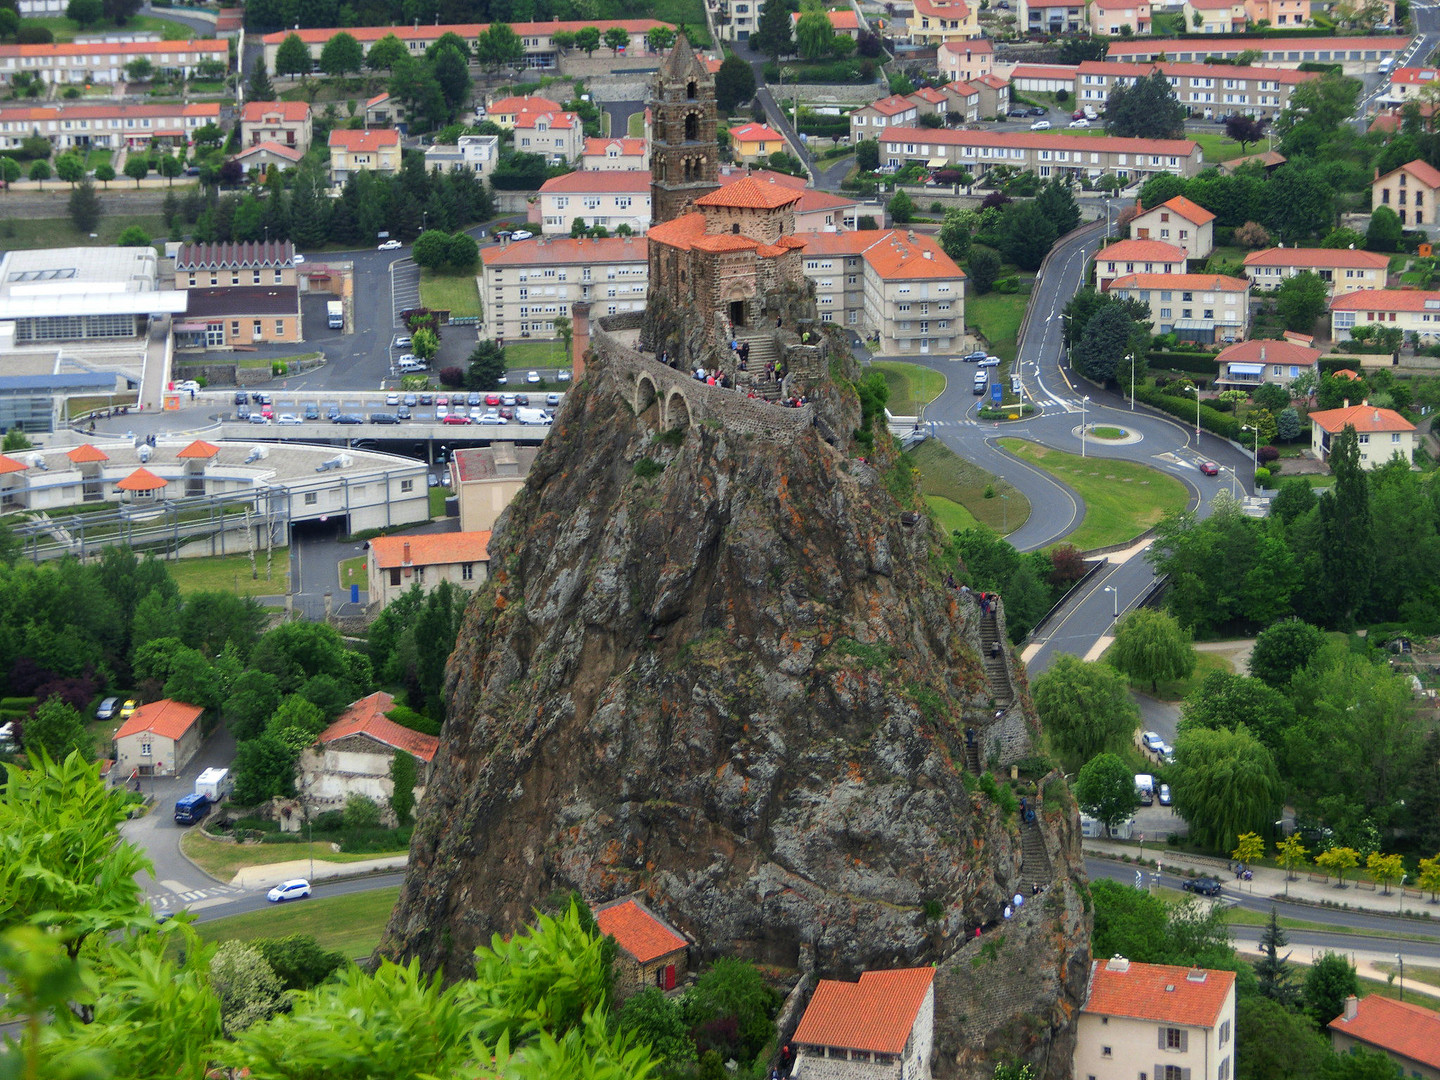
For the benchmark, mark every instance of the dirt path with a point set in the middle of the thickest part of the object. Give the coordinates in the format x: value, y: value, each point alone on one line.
x: 1237, y: 652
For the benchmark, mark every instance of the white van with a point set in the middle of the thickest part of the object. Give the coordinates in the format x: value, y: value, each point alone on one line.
x: 410, y: 364
x: 532, y: 416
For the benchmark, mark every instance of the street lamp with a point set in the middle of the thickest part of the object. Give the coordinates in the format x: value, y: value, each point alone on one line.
x: 1131, y: 358
x: 1256, y: 430
x: 1115, y: 594
x: 1196, y: 391
x: 1083, y: 402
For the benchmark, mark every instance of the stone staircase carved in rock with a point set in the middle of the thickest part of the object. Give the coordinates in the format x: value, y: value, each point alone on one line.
x: 1035, y: 868
x: 997, y: 670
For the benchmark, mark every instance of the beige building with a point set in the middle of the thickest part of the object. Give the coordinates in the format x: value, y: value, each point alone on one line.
x: 605, y: 197
x: 383, y: 111
x: 965, y: 61
x: 937, y: 22
x: 558, y: 137
x: 507, y: 110
x: 1355, y: 55
x: 1195, y: 307
x: 1170, y: 1023
x: 377, y: 150
x: 486, y: 478
x: 1126, y: 257
x: 106, y: 126
x: 1214, y: 16
x: 1248, y: 364
x: 1180, y: 222
x: 1408, y: 84
x: 395, y: 563
x: 243, y: 293
x: 80, y: 62
x: 1042, y: 152
x: 1383, y: 433
x: 1343, y: 269
x: 354, y: 755
x: 1050, y: 17
x: 613, y: 154
x: 652, y: 953
x: 1208, y: 90
x: 284, y: 122
x: 1408, y: 1034
x: 1108, y: 16
x: 1415, y: 312
x: 258, y: 159
x: 844, y: 22
x: 1287, y: 13
x: 525, y: 285
x: 159, y: 739
x: 736, y: 20
x: 1409, y: 190
x: 882, y: 1025
x: 823, y: 211
x: 868, y: 121
x: 897, y: 286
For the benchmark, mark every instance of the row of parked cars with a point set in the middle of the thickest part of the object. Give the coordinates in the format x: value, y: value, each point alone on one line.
x: 492, y: 408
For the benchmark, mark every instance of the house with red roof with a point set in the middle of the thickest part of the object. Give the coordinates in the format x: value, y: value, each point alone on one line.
x: 749, y: 142
x: 606, y: 197
x: 1177, y: 221
x: 1168, y: 1022
x: 159, y: 739
x: 395, y: 563
x: 881, y: 1025
x: 1409, y: 190
x: 938, y: 22
x: 352, y: 151
x: 1383, y: 433
x: 1407, y: 1033
x: 965, y: 61
x: 1137, y: 257
x: 652, y: 952
x: 354, y: 755
x: 1248, y: 364
x: 622, y: 153
x: 1342, y: 269
x: 1416, y: 312
x: 284, y: 122
x: 1205, y: 308
x: 844, y: 22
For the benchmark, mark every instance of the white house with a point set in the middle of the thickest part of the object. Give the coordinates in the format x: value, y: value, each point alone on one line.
x: 886, y: 1019
x: 598, y: 197
x: 395, y: 563
x: 1383, y: 433
x: 159, y: 739
x: 1248, y: 364
x: 1180, y: 222
x: 1137, y: 257
x: 1196, y: 307
x: 353, y: 756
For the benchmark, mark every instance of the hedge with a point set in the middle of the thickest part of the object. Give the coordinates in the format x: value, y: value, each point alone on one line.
x: 1196, y: 363
x: 835, y: 71
x: 822, y: 126
x: 1183, y: 409
x: 1329, y: 365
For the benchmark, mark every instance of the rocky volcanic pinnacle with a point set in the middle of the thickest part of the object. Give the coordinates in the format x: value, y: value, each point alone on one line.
x: 724, y: 671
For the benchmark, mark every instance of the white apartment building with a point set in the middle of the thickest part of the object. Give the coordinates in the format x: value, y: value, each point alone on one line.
x: 1137, y: 257
x: 1169, y: 1023
x: 78, y: 62
x: 1414, y: 311
x: 1355, y: 55
x: 477, y: 153
x: 1209, y: 90
x: 736, y: 20
x: 110, y: 126
x: 608, y: 198
x: 1204, y: 308
x: 526, y: 285
x: 868, y: 121
x: 1343, y: 269
x: 613, y: 154
x: 1043, y: 152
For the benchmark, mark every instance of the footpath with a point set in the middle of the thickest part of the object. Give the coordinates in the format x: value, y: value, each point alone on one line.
x: 262, y: 877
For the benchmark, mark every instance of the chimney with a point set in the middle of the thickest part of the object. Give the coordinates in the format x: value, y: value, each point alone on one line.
x: 927, y: 254
x: 405, y: 553
x: 911, y: 235
x: 1262, y: 355
x: 1352, y: 1007
x: 1347, y: 403
x: 1195, y: 975
x: 1117, y: 963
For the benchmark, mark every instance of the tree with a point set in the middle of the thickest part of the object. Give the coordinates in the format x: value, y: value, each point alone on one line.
x: 1300, y: 300
x: 1057, y: 202
x: 245, y: 985
x: 1317, y: 109
x: 983, y: 269
x: 105, y: 172
x: 431, y: 249
x: 1145, y: 109
x: 901, y: 207
x: 57, y: 730
x: 403, y: 774
x: 867, y: 154
x: 40, y: 172
x: 657, y: 1020
x: 139, y: 70
x: 587, y: 39
x: 954, y: 235
x: 1252, y: 235
x: 9, y: 168
x: 1283, y: 649
x: 617, y: 39
x: 452, y: 73
x: 1105, y: 789
x: 251, y: 704
x: 70, y: 168
x: 487, y: 364
x: 1130, y: 922
x: 1298, y: 202
x: 659, y: 38
x: 1275, y: 1043
x: 259, y: 88
x: 1290, y: 853
x: 264, y: 767
x: 137, y: 167
x: 814, y: 35
x: 9, y: 22
x: 772, y: 31
x: 1385, y: 232
x: 298, y: 961
x: 734, y: 83
x: 1249, y: 848
x: 1244, y: 129
x: 385, y: 53
x: 500, y: 46
x: 732, y: 988
x: 1346, y: 556
x: 1273, y: 970
x: 1337, y: 860
x: 1027, y: 232
x: 565, y: 331
x: 1424, y: 800
x: 171, y: 167
x: 361, y: 812
x: 133, y: 236
x: 1429, y: 880
x: 1225, y: 784
x: 1226, y: 700
x: 1112, y: 334
x: 462, y: 253
x: 1085, y: 707
x: 341, y: 55
x: 1330, y: 980
x: 1385, y: 869
x: 293, y: 57
x: 296, y: 722
x: 425, y: 344
x: 85, y: 209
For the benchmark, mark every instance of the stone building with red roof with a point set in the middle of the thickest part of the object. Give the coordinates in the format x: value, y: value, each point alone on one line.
x: 882, y: 1025
x: 1410, y: 191
x: 395, y: 563
x: 159, y: 739
x: 353, y: 756
x: 1168, y: 1022
x: 1408, y: 1034
x: 652, y: 953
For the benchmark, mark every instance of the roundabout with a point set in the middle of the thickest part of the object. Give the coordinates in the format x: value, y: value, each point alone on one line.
x: 1107, y: 435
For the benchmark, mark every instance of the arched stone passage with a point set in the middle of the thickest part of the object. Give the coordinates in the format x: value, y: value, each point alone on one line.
x: 677, y: 410
x: 645, y: 393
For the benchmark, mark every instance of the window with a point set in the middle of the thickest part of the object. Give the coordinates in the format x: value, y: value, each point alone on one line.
x: 407, y: 485
x: 311, y: 497
x: 145, y: 749
x: 279, y: 327
x: 1105, y: 1051
x: 1173, y: 1072
x: 1224, y: 1071
x: 1225, y: 1033
x: 1174, y: 1039
x: 467, y: 571
x: 395, y: 575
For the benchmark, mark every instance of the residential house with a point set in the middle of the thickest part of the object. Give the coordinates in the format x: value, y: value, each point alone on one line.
x: 845, y: 22
x: 611, y: 154
x: 377, y: 150
x: 651, y: 952
x: 940, y: 22
x: 384, y: 111
x: 475, y: 153
x: 559, y: 137
x: 881, y: 1025
x: 1107, y: 17
x: 260, y: 157
x: 896, y: 286
x: 752, y: 142
x: 824, y: 211
x: 606, y: 198
x: 1045, y: 153
x: 1195, y: 307
x: 284, y: 122
x: 868, y: 121
x: 159, y: 739
x: 1415, y: 312
x: 108, y: 126
x: 1383, y: 433
x: 1409, y: 191
x: 1208, y: 90
x: 355, y: 756
x: 1268, y: 160
x: 78, y: 63
x: 244, y: 293
x: 1408, y: 84
x: 1180, y: 222
x: 965, y: 61
x: 962, y: 103
x: 1344, y: 270
x: 1408, y: 1034
x: 736, y: 20
x: 1214, y: 16
x: 1248, y: 364
x: 486, y: 478
x: 1287, y: 13
x: 1169, y: 1022
x: 1355, y: 55
x: 994, y: 94
x: 1137, y: 257
x: 1043, y: 78
x: 507, y: 110
x: 394, y: 563
x: 526, y: 284
x: 1051, y: 17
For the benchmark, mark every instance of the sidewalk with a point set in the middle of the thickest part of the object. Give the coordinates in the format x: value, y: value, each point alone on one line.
x: 1271, y: 883
x: 262, y: 877
x: 1367, y: 965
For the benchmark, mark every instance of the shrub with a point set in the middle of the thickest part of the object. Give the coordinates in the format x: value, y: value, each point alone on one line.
x: 1262, y: 477
x: 361, y: 812
x: 1268, y: 454
x: 452, y: 377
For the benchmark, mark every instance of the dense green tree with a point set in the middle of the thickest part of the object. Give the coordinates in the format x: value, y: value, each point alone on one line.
x: 1316, y: 110
x: 1424, y: 802
x: 403, y: 775
x: 39, y: 172
x: 982, y: 269
x: 1057, y: 202
x: 341, y: 55
x: 436, y: 628
x: 486, y: 365
x: 955, y: 236
x: 251, y: 704
x: 452, y: 73
x: 901, y: 207
x: 867, y: 154
x: 85, y: 208
x: 70, y: 168
x: 1132, y: 923
x: 245, y: 985
x: 298, y: 960
x: 1277, y: 981
x: 659, y: 38
x: 295, y: 723
x: 1225, y: 784
x: 9, y: 22
x: 259, y: 88
x: 1161, y: 187
x: 1145, y: 109
x: 1358, y: 1063
x: 1330, y: 980
x: 587, y: 40
x: 1105, y: 789
x: 1085, y: 707
x: 658, y: 1021
x: 772, y: 34
x: 1026, y: 233
x: 386, y: 53
x: 1347, y: 559
x: 1227, y: 700
x: 296, y: 651
x: 814, y: 35
x: 414, y: 85
x: 85, y: 12
x: 1273, y: 1043
x: 989, y: 562
x: 1385, y: 232
x: 1077, y: 49
x: 1110, y: 335
x: 264, y: 767
x: 1298, y: 203
x: 734, y: 83
x: 1283, y: 649
x: 57, y: 729
x: 292, y: 57
x: 137, y: 167
x: 732, y: 988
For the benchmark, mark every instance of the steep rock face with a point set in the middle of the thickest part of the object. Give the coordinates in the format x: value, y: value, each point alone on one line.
x: 738, y: 685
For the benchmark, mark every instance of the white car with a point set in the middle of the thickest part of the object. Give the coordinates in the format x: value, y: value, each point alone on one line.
x: 491, y: 417
x: 390, y: 245
x: 522, y: 234
x: 1040, y: 125
x: 402, y: 341
x: 563, y: 376
x: 532, y: 377
x: 1081, y: 123
x: 189, y: 386
x: 297, y: 258
x: 990, y: 361
x: 1152, y: 741
x: 287, y: 418
x: 294, y: 889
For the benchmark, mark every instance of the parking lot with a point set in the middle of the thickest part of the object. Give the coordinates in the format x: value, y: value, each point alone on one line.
x: 404, y: 288
x: 289, y: 408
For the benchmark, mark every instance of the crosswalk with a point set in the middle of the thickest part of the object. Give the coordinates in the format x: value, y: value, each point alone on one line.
x: 176, y: 897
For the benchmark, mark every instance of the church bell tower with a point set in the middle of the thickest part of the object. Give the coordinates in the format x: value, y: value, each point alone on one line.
x: 684, y: 153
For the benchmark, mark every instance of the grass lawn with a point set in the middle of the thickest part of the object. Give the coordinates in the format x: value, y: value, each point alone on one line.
x: 66, y: 29
x: 269, y: 361
x: 18, y: 233
x: 352, y: 572
x: 455, y: 293
x: 997, y: 316
x: 909, y: 383
x: 1205, y: 663
x: 1122, y: 499
x: 946, y: 475
x: 96, y: 156
x: 1218, y: 148
x: 231, y: 573
x: 950, y: 515
x: 225, y: 860
x: 635, y: 125
x: 350, y: 924
x: 437, y: 502
x: 536, y: 354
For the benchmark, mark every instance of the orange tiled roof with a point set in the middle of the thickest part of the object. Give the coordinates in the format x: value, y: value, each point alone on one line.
x: 364, y: 140
x: 199, y: 449
x: 1423, y: 171
x: 1363, y: 418
x: 755, y: 133
x: 367, y: 717
x: 291, y: 112
x: 1387, y: 300
x: 508, y: 105
x: 1190, y: 211
x: 750, y: 194
x: 217, y: 50
x: 1413, y: 76
x: 731, y: 173
x: 141, y: 480
x: 1345, y: 258
x: 901, y: 256
x: 428, y: 549
x: 1161, y: 993
x: 270, y: 146
x: 609, y: 181
x: 468, y: 31
x: 9, y: 465
x: 1208, y: 282
x: 628, y: 147
x: 1346, y: 374
x: 875, y: 1014
x: 721, y: 242
x: 975, y: 47
x: 889, y: 106
x: 943, y: 9
x: 564, y: 251
x: 1141, y: 251
x: 813, y: 199
x: 87, y: 452
x: 561, y: 120
x: 1269, y: 352
x: 166, y: 718
x: 1395, y: 1026
x: 638, y: 932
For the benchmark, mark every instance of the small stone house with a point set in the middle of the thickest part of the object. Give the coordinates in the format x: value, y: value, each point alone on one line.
x: 1180, y: 222
x: 354, y: 754
x: 1408, y: 1034
x: 881, y: 1026
x: 1410, y: 190
x: 159, y: 739
x: 652, y: 953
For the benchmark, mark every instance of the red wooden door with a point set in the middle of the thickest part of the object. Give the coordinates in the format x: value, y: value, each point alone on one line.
x: 669, y: 976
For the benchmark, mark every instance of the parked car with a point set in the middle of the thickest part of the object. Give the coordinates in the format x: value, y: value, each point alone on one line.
x: 294, y: 889
x: 532, y: 377
x: 451, y: 418
x: 1209, y: 468
x: 1164, y: 795
x: 507, y: 399
x: 551, y: 400
x: 1081, y: 123
x: 241, y: 397
x: 259, y: 418
x: 1037, y: 110
x: 188, y: 386
x: 522, y: 399
x: 402, y: 341
x: 441, y: 412
x: 1152, y: 741
x: 348, y: 418
x: 242, y: 412
x: 1204, y: 886
x: 107, y: 708
x: 1018, y: 112
x: 491, y: 417
x: 522, y: 234
x: 492, y: 399
x: 427, y: 399
x: 473, y: 400
x: 563, y: 376
x: 990, y: 361
x: 974, y: 357
x: 1040, y: 125
x: 507, y: 412
x: 392, y: 399
x: 127, y: 709
x: 403, y: 412
x: 390, y: 245
x: 287, y: 418
x: 312, y: 411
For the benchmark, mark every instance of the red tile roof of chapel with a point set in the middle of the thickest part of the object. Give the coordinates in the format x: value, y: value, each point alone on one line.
x: 875, y: 1014
x: 638, y: 932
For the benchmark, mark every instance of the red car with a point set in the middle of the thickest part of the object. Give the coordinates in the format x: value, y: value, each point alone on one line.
x: 1209, y: 468
x: 452, y: 418
x: 492, y: 399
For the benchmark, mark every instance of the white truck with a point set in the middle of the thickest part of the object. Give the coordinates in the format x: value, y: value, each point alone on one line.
x: 214, y: 784
x: 1145, y: 788
x: 335, y: 309
x: 532, y: 416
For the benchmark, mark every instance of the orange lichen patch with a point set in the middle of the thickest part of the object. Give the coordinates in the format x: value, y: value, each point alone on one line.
x: 852, y: 769
x: 500, y: 602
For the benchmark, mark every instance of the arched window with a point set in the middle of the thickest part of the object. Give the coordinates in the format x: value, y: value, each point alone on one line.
x: 692, y: 127
x: 690, y: 90
x: 735, y: 229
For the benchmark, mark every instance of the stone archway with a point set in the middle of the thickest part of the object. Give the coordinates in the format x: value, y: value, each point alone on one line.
x: 646, y: 394
x: 677, y: 412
